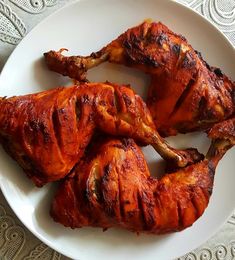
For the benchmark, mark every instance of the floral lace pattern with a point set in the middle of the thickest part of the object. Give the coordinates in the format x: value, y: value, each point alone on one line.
x: 42, y: 252
x: 12, y: 28
x: 220, y: 252
x: 16, y: 242
x: 12, y: 236
x: 220, y: 12
x: 33, y: 6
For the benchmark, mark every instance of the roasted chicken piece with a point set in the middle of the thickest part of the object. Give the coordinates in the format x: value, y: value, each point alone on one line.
x: 186, y: 94
x: 112, y: 187
x: 46, y: 133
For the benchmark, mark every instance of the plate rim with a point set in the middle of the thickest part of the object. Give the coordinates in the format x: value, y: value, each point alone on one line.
x: 44, y: 20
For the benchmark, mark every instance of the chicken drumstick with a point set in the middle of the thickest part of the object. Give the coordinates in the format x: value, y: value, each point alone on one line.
x: 185, y: 94
x: 112, y: 187
x: 47, y: 132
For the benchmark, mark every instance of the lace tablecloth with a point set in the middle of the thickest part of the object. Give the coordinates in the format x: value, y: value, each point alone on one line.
x: 17, y: 17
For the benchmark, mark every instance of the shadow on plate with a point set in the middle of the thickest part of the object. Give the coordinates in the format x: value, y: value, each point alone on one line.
x: 157, y: 168
x: 47, y: 79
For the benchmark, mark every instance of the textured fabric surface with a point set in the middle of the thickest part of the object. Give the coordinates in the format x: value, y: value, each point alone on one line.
x: 17, y: 17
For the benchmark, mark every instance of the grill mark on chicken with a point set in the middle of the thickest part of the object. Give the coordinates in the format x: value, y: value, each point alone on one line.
x: 116, y: 100
x: 85, y: 99
x: 150, y: 60
x: 122, y: 203
x: 148, y: 206
x: 218, y: 72
x: 207, y: 192
x: 139, y: 158
x: 109, y: 206
x: 78, y: 109
x: 202, y: 104
x: 120, y: 146
x: 183, y: 96
x: 162, y: 38
x: 56, y: 127
x: 188, y: 62
x: 46, y: 133
x: 233, y: 95
x: 126, y: 100
x: 127, y: 142
x: 134, y: 46
x: 176, y: 48
x: 39, y: 126
x: 97, y: 189
x: 127, y: 45
x: 179, y: 214
x: 75, y: 205
x: 194, y: 202
x: 141, y: 210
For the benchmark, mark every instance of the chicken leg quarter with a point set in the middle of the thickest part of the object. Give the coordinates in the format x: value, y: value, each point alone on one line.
x: 47, y: 132
x: 186, y: 94
x: 113, y: 188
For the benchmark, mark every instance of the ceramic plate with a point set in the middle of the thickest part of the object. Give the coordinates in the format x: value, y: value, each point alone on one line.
x: 83, y: 27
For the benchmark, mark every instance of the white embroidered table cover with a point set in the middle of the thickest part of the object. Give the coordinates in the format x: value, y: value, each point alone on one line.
x: 17, y: 17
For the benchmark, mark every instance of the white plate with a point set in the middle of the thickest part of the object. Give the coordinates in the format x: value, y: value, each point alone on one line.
x: 84, y: 27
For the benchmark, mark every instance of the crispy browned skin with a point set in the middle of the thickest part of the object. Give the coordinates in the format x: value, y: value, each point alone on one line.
x: 112, y: 187
x: 223, y: 130
x: 46, y: 133
x: 185, y: 95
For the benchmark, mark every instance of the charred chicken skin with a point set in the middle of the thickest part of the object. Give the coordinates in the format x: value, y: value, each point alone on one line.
x: 186, y: 94
x: 47, y: 132
x: 112, y: 187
